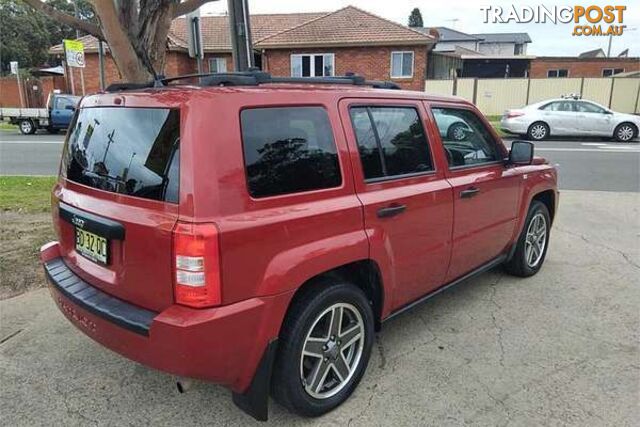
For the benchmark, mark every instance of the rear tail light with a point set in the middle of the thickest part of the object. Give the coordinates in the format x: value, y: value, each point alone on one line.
x: 196, y: 265
x: 512, y: 114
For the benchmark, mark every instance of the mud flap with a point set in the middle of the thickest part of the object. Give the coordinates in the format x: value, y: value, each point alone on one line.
x: 255, y: 400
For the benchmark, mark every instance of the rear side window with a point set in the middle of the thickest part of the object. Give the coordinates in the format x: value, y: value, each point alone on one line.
x: 132, y: 151
x: 288, y: 150
x: 391, y: 141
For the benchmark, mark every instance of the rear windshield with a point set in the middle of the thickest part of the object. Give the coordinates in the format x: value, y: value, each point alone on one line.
x: 132, y: 151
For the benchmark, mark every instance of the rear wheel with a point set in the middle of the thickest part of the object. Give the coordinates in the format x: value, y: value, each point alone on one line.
x: 27, y: 127
x: 625, y: 132
x: 532, y: 245
x: 324, y: 348
x: 538, y: 131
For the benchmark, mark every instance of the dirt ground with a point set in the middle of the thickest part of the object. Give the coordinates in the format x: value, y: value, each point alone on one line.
x: 21, y: 235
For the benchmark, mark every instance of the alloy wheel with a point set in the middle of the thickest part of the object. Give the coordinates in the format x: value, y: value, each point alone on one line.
x: 26, y: 126
x: 539, y: 131
x: 625, y: 133
x: 332, y: 350
x: 536, y: 240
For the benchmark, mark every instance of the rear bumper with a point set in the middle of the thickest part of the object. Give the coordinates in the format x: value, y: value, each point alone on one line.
x: 514, y: 126
x: 223, y: 344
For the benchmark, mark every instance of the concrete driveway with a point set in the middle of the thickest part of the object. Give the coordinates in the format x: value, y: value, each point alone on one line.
x: 560, y: 348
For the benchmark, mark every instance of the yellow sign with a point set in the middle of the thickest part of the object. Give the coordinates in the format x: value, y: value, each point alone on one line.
x: 74, y: 53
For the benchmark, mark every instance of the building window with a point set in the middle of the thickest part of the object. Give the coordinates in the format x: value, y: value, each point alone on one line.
x: 313, y: 65
x: 518, y: 49
x: 558, y: 73
x: 217, y: 65
x: 401, y: 64
x: 608, y: 72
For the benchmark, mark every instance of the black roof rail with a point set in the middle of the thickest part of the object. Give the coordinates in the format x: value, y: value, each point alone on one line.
x: 254, y: 77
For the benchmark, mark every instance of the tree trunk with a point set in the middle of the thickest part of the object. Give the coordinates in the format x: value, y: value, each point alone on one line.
x: 135, y: 30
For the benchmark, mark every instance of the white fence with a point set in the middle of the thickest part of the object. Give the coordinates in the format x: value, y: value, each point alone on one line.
x: 494, y: 96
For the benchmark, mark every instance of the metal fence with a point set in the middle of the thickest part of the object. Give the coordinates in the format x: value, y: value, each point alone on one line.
x: 494, y: 96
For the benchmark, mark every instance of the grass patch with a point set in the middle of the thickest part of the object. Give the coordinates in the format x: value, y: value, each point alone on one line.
x: 7, y: 126
x: 26, y: 194
x: 25, y: 225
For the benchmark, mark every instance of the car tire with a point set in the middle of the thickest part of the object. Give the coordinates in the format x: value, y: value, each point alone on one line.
x: 531, y: 248
x: 538, y: 131
x: 308, y: 326
x: 457, y: 132
x: 27, y: 127
x: 625, y: 132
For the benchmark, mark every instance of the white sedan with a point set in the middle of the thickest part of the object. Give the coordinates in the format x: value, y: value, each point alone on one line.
x: 570, y: 117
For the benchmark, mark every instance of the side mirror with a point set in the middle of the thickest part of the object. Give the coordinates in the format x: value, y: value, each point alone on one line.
x: 521, y: 153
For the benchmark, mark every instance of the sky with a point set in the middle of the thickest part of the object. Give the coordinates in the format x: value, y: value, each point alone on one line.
x: 548, y: 39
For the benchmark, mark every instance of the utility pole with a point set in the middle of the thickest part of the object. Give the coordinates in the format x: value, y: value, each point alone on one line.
x: 77, y: 14
x: 240, y: 28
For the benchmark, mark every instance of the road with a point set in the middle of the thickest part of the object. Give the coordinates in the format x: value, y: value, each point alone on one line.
x: 583, y: 165
x: 559, y: 348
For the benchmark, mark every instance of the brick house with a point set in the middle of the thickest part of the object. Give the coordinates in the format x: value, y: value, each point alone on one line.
x: 297, y: 44
x: 556, y: 66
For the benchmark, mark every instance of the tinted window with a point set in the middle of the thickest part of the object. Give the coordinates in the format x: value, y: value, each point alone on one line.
x: 289, y: 150
x: 558, y: 106
x: 391, y: 141
x: 587, y: 107
x: 129, y: 151
x: 466, y: 140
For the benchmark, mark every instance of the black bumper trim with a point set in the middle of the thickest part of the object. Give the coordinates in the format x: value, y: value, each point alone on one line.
x: 87, y: 297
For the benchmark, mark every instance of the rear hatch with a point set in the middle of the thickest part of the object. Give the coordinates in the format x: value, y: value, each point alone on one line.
x: 116, y: 203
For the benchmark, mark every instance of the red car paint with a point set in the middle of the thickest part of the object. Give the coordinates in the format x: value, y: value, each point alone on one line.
x: 270, y: 247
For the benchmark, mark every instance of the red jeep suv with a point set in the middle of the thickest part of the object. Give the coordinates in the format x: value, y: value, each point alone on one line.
x: 255, y: 231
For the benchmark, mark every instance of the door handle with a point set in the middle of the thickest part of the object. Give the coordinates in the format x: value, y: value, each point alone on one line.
x: 469, y: 193
x: 390, y: 211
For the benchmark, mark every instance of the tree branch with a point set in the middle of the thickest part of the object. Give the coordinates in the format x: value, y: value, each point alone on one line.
x: 67, y: 19
x: 189, y: 6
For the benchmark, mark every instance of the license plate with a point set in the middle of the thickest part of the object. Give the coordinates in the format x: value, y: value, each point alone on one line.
x: 92, y: 246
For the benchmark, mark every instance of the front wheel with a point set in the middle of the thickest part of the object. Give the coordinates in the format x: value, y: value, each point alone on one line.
x: 324, y: 349
x: 538, y: 131
x: 531, y: 248
x: 625, y: 132
x: 27, y: 127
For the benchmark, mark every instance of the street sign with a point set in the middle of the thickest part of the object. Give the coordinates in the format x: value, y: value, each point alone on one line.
x: 14, y: 67
x: 74, y: 53
x: 194, y: 35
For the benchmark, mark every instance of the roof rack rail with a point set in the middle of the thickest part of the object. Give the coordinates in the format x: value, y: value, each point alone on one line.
x: 254, y: 77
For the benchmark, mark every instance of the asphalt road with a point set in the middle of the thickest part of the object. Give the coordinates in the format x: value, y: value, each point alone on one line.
x: 559, y: 348
x: 583, y: 164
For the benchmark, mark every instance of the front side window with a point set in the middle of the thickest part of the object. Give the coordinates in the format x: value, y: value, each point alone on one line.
x: 217, y: 65
x: 401, y: 64
x: 62, y: 103
x: 391, y: 141
x: 288, y: 150
x: 130, y: 151
x: 587, y: 107
x: 312, y: 65
x: 465, y: 138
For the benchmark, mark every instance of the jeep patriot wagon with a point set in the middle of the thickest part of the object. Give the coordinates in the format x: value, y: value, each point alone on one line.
x: 256, y: 231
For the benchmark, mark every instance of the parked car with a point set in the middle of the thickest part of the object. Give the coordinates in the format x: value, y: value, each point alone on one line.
x: 55, y: 117
x: 257, y: 236
x: 570, y: 117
